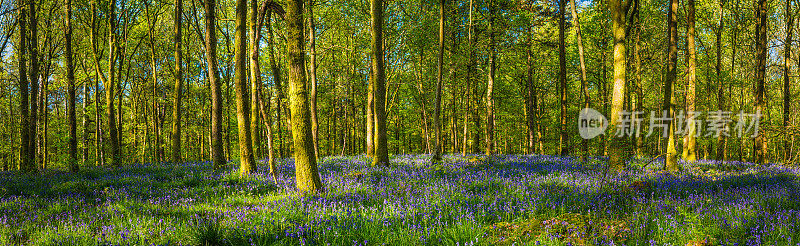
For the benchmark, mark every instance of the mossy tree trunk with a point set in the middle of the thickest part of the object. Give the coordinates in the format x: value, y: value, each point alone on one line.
x: 110, y: 86
x: 759, y: 143
x: 787, y: 89
x: 379, y: 80
x: 217, y: 155
x: 246, y: 159
x: 690, y: 140
x: 490, y: 86
x: 671, y: 161
x: 71, y: 119
x: 437, y: 112
x: 305, y: 163
x: 178, y: 90
x: 616, y: 146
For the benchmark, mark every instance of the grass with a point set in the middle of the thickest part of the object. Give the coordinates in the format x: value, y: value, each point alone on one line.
x: 473, y: 200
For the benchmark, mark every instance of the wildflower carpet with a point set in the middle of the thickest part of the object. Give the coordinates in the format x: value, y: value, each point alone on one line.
x: 503, y: 200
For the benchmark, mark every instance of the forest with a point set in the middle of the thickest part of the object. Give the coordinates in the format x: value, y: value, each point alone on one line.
x: 384, y: 122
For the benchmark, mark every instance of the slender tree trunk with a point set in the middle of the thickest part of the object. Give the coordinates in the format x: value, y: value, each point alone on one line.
x: 564, y: 141
x: 584, y: 86
x: 469, y: 95
x: 671, y: 162
x: 247, y: 161
x: 33, y: 77
x: 437, y: 111
x: 255, y: 79
x: 721, y: 141
x: 306, y: 173
x: 616, y: 153
x: 217, y: 155
x: 530, y: 110
x: 312, y: 69
x: 85, y: 121
x: 422, y: 99
x: 276, y: 78
x: 370, y: 114
x: 73, y: 128
x: 25, y: 153
x: 638, y: 141
x: 177, y: 93
x: 490, y: 86
x: 759, y: 143
x: 379, y: 79
x: 690, y: 148
x: 787, y: 89
x: 110, y: 86
x: 268, y: 123
x: 153, y: 72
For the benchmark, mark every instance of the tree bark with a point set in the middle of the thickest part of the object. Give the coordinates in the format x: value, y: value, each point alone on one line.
x: 312, y: 69
x: 787, y: 89
x: 616, y: 152
x: 73, y: 128
x: 437, y: 123
x: 690, y: 140
x: 759, y: 143
x: 306, y: 172
x: 490, y: 86
x: 584, y: 86
x: 564, y: 140
x: 255, y: 79
x: 33, y: 77
x: 177, y: 93
x: 721, y: 141
x: 468, y: 112
x: 247, y: 161
x: 25, y: 153
x: 111, y: 86
x: 217, y: 155
x: 671, y: 161
x: 379, y: 79
x: 370, y: 114
x: 276, y: 78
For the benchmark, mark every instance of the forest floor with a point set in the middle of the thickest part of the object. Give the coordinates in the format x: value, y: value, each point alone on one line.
x: 473, y: 200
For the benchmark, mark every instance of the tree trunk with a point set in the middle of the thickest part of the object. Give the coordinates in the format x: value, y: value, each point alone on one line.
x: 247, y: 161
x: 312, y: 69
x: 111, y: 86
x: 267, y: 118
x: 217, y: 155
x: 584, y: 86
x: 671, y: 162
x: 370, y: 114
x: 690, y: 147
x: 177, y: 93
x: 73, y: 128
x: 759, y: 143
x: 721, y: 141
x: 379, y: 80
x: 562, y: 80
x: 437, y: 111
x: 469, y: 94
x: 33, y: 59
x: 639, y: 106
x: 787, y: 89
x: 490, y: 86
x: 255, y: 80
x: 616, y: 144
x: 25, y: 153
x: 276, y: 78
x: 306, y: 172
